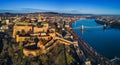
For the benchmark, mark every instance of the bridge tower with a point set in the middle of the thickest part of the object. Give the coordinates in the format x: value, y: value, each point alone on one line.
x: 104, y: 27
x: 82, y: 27
x: 75, y: 23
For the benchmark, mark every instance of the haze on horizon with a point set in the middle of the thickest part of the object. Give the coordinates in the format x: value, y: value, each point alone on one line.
x: 111, y: 7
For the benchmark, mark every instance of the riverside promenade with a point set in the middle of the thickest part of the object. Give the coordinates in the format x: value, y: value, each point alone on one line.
x: 88, y: 50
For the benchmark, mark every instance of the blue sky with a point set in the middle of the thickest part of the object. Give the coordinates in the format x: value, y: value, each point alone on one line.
x: 65, y: 6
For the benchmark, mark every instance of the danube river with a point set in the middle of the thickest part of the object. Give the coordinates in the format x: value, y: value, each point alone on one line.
x: 104, y: 41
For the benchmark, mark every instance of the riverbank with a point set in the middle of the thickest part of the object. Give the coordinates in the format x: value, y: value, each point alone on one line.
x: 112, y: 23
x: 87, y: 49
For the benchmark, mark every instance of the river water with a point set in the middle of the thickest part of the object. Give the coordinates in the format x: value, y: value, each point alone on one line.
x: 104, y: 41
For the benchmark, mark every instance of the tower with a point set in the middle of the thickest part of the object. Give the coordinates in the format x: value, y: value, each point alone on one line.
x: 82, y: 27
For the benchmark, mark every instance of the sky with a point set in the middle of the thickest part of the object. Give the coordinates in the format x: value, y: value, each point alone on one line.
x: 65, y: 6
